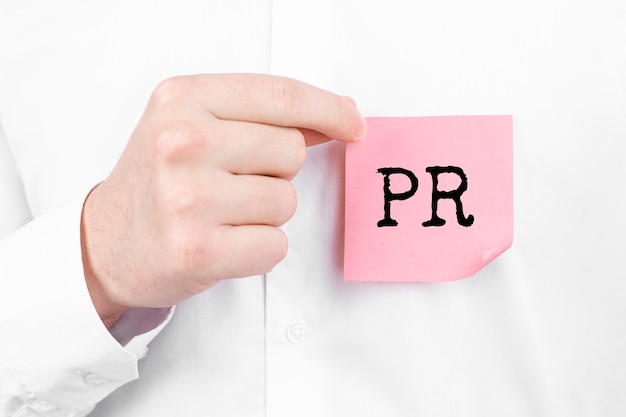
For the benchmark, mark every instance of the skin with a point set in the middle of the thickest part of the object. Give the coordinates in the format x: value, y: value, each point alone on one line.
x: 202, y: 187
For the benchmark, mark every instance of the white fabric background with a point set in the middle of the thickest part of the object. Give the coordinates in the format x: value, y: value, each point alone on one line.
x: 539, y: 332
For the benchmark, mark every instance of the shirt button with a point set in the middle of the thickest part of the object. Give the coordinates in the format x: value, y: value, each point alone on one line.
x: 297, y: 332
x: 94, y: 380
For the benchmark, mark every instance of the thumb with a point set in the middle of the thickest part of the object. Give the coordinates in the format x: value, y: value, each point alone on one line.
x: 313, y: 137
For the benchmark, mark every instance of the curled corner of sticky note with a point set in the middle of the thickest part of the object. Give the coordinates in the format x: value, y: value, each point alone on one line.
x: 492, y: 253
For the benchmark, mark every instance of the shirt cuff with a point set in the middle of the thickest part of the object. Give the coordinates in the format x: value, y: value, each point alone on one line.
x: 54, y: 344
x: 136, y: 328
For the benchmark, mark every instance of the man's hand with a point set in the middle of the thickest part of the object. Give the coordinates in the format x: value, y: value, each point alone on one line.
x: 202, y: 187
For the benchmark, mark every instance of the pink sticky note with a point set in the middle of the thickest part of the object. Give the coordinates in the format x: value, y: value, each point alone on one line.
x: 428, y: 198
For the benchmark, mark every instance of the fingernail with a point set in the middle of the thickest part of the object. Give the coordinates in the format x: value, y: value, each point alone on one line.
x: 361, y: 126
x: 360, y: 122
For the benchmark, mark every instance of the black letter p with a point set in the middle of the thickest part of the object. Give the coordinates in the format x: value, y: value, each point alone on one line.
x: 389, y: 196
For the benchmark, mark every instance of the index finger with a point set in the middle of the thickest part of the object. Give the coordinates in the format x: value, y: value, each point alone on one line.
x: 278, y: 101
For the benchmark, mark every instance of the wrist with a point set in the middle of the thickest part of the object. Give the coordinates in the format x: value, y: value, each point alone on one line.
x: 102, y: 299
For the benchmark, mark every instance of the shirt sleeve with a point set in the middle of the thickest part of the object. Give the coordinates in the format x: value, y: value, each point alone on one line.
x: 56, y: 356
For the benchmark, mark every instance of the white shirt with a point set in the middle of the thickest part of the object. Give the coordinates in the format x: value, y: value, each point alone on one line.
x: 538, y: 332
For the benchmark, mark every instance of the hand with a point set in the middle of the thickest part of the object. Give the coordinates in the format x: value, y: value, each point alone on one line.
x: 202, y: 187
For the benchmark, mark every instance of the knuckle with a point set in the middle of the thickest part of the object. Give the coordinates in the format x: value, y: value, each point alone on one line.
x: 290, y: 200
x: 169, y: 91
x: 299, y: 150
x: 285, y: 203
x: 177, y: 142
x: 280, y: 245
x: 274, y: 249
x: 190, y: 254
x: 286, y: 95
x: 295, y: 154
x: 176, y: 199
